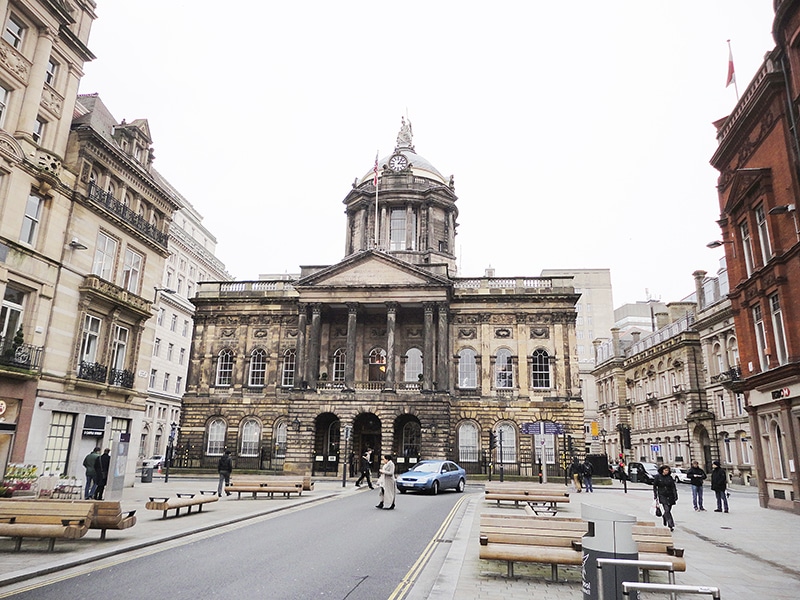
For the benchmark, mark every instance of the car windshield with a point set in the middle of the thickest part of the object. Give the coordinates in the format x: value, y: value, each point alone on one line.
x: 426, y: 468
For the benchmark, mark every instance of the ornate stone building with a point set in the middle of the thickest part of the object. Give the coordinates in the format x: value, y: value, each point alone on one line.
x: 386, y: 349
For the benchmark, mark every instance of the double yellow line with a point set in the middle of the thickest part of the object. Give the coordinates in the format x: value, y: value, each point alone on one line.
x: 410, y: 578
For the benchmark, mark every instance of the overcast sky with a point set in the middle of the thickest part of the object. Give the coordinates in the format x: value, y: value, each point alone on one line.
x: 579, y: 133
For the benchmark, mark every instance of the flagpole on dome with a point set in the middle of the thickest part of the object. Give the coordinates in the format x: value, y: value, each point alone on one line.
x: 731, y: 72
x: 375, y: 183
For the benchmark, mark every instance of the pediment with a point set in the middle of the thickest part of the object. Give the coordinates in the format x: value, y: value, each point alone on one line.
x: 746, y: 182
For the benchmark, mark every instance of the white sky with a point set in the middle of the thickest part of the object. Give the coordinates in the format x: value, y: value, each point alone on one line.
x: 579, y: 133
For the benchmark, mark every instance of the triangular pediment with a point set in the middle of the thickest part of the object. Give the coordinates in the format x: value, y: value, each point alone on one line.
x: 746, y: 182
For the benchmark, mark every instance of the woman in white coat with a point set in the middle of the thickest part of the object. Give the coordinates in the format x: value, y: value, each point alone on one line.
x: 386, y: 483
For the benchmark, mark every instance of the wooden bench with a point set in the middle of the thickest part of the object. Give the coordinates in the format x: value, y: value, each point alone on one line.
x: 283, y: 486
x: 535, y: 496
x: 557, y: 541
x: 106, y: 514
x: 308, y: 485
x: 180, y: 501
x: 32, y: 519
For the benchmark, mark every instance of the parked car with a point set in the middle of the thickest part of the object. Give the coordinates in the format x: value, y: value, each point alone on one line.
x: 432, y: 476
x: 679, y: 473
x: 642, y: 472
x: 155, y: 462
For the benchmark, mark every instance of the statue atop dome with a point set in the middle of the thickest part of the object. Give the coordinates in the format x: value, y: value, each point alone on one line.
x: 404, y: 138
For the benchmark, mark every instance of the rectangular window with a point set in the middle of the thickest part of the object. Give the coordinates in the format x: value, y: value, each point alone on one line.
x: 131, y: 270
x: 52, y: 70
x: 763, y: 234
x: 778, y: 330
x: 397, y: 229
x: 761, y: 338
x: 104, y: 256
x: 153, y: 375
x: 166, y: 382
x: 120, y: 348
x: 38, y: 129
x: 721, y: 404
x: 57, y: 445
x: 90, y: 339
x: 185, y: 331
x: 182, y: 356
x: 173, y: 322
x: 156, y: 346
x: 180, y: 285
x: 4, y: 96
x: 179, y: 385
x: 747, y: 247
x: 30, y: 222
x: 14, y: 32
x: 161, y: 312
x: 11, y: 312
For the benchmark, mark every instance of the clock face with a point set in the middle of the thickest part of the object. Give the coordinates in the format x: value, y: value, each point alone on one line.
x: 398, y: 162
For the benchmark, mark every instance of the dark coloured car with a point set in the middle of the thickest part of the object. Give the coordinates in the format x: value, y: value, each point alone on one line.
x: 432, y: 476
x: 642, y: 472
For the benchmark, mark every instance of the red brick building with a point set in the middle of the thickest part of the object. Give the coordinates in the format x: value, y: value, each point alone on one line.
x: 759, y: 185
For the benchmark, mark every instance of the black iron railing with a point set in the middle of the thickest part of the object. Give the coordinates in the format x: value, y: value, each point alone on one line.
x: 733, y: 374
x: 121, y: 378
x: 92, y: 372
x: 22, y: 356
x: 134, y: 219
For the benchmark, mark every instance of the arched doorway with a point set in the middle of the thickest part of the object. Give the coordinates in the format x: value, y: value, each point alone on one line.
x: 327, y: 448
x: 407, y: 440
x: 367, y: 434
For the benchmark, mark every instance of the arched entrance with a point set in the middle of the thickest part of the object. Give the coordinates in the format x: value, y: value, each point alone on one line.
x: 327, y: 446
x: 367, y: 434
x: 407, y: 440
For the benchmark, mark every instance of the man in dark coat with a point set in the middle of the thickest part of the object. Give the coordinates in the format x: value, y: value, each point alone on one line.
x: 719, y: 483
x: 101, y: 466
x: 366, y: 465
x: 696, y: 477
x: 224, y: 468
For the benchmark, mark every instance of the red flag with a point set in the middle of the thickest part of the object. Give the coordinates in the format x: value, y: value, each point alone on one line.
x: 731, y: 73
x: 375, y: 170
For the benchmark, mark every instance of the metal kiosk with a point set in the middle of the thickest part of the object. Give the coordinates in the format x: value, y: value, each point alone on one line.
x: 609, y: 535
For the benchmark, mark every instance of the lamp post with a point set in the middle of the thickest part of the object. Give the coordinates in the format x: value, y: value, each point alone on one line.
x: 170, y: 449
x: 157, y: 289
x: 603, y: 434
x: 787, y: 208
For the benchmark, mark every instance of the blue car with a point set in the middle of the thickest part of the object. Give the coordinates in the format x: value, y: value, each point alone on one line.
x: 432, y: 476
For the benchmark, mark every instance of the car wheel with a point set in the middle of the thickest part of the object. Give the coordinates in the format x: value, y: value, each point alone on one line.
x: 403, y: 490
x: 460, y: 486
x: 435, y: 488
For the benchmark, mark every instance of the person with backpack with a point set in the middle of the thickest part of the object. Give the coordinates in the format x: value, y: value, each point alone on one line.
x: 576, y: 472
x: 588, y: 470
x: 225, y: 468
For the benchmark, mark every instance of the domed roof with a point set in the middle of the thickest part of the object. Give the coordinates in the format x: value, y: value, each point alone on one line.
x: 419, y: 165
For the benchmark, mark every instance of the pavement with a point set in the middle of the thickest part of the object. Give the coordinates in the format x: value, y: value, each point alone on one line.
x: 748, y: 552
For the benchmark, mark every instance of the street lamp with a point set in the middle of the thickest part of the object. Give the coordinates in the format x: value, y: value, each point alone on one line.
x: 296, y: 424
x: 157, y: 289
x: 170, y: 449
x: 787, y: 208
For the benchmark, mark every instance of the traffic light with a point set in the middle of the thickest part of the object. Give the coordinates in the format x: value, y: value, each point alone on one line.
x: 569, y: 443
x: 492, y: 440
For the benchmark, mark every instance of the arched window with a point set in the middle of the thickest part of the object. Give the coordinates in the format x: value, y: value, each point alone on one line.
x: 540, y: 369
x: 717, y: 363
x: 287, y: 372
x: 411, y: 439
x: 377, y: 365
x: 503, y: 369
x: 339, y: 362
x: 251, y: 438
x: 111, y: 189
x: 258, y: 368
x: 467, y: 369
x: 468, y: 446
x: 280, y: 439
x: 507, y: 440
x: 413, y: 364
x: 225, y: 368
x: 216, y: 438
x: 733, y: 352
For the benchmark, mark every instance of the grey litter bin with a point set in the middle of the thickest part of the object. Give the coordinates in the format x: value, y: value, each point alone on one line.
x: 609, y: 535
x: 147, y: 474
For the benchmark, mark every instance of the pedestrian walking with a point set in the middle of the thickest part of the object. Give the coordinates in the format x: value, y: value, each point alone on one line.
x: 101, y: 465
x: 366, y: 465
x: 719, y: 483
x: 588, y: 471
x: 666, y: 492
x: 386, y: 483
x: 351, y: 464
x: 224, y: 468
x: 576, y: 472
x: 696, y: 477
x: 91, y: 475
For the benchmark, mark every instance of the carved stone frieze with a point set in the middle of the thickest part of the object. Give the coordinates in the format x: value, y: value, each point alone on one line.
x: 467, y: 333
x: 466, y: 320
x: 339, y: 332
x: 540, y: 333
x: 502, y: 333
x: 414, y: 332
x: 15, y: 62
x: 377, y: 332
x: 502, y: 319
x: 52, y: 101
x: 261, y: 333
x: 291, y: 333
x: 228, y: 332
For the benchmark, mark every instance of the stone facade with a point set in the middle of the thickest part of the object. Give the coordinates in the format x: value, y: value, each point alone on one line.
x: 386, y: 349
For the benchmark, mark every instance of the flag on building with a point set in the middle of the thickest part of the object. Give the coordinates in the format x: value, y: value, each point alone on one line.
x: 375, y: 171
x: 731, y: 72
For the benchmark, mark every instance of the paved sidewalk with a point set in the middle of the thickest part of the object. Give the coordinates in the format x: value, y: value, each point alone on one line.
x: 750, y: 552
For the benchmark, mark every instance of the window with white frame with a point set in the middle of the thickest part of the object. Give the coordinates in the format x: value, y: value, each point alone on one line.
x: 14, y: 32
x: 258, y: 368
x: 31, y: 219
x: 339, y: 362
x: 160, y: 318
x: 468, y: 444
x: 170, y: 350
x: 105, y: 254
x: 540, y: 369
x: 747, y: 247
x: 182, y: 356
x: 744, y: 448
x: 740, y: 404
x: 90, y: 339
x: 251, y: 438
x: 377, y: 364
x: 57, y: 443
x: 185, y: 330
x: 225, y: 367
x: 721, y: 404
x: 131, y: 270
x: 52, y: 71
x: 287, y: 369
x: 153, y: 376
x: 413, y: 365
x: 179, y: 385
x: 39, y: 125
x: 173, y: 323
x: 216, y: 437
x: 506, y: 451
x: 280, y: 439
x: 778, y: 330
x: 11, y: 311
x: 119, y: 348
x: 397, y: 229
x: 467, y: 369
x: 165, y: 386
x: 503, y: 369
x: 761, y: 337
x: 4, y: 97
x: 763, y: 234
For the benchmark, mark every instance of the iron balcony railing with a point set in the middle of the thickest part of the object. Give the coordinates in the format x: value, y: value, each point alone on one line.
x: 22, y: 356
x: 92, y: 372
x: 733, y: 374
x: 138, y: 222
x: 121, y: 378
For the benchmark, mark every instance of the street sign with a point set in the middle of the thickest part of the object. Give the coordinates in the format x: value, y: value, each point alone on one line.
x: 655, y: 448
x: 535, y: 428
x: 348, y: 431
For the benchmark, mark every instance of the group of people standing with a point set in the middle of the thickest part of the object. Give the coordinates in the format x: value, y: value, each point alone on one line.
x: 385, y: 481
x: 665, y: 491
x: 581, y: 474
x: 96, y: 466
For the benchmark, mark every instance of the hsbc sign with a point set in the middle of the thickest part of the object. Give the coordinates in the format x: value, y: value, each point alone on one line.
x: 781, y: 393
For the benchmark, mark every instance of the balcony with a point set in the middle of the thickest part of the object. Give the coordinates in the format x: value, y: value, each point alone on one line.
x: 92, y: 372
x: 121, y: 378
x: 733, y: 374
x: 20, y: 356
x: 135, y: 220
x: 113, y: 293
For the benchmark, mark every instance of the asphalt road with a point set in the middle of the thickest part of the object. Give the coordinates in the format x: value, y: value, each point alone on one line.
x: 339, y: 549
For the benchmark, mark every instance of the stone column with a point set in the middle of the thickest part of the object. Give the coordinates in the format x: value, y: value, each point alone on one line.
x: 431, y: 234
x: 33, y: 92
x: 300, y: 348
x: 428, y: 346
x: 73, y: 74
x: 383, y: 230
x: 350, y: 365
x: 313, y: 345
x: 442, y: 364
x: 391, y: 318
